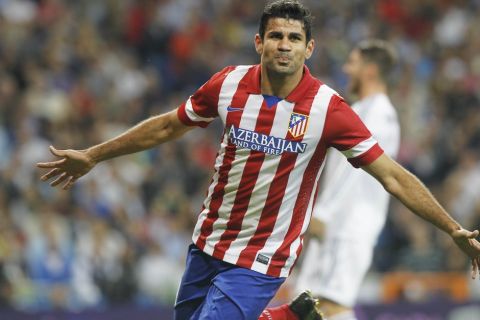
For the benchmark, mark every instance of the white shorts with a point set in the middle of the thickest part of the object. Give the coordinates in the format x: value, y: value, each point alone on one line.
x: 334, y: 269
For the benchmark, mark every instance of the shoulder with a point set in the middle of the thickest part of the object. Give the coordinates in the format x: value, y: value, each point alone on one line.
x: 232, y: 73
x: 326, y: 89
x: 326, y: 95
x: 235, y: 69
x: 217, y: 80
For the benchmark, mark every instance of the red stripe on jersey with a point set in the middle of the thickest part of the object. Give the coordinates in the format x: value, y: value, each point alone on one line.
x: 275, y: 193
x: 217, y: 196
x: 239, y: 100
x: 300, y: 209
x: 247, y: 183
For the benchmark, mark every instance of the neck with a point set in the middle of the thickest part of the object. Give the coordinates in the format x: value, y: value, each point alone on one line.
x: 372, y: 88
x: 279, y: 85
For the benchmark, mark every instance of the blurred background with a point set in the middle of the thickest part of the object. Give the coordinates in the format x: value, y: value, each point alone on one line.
x: 74, y: 73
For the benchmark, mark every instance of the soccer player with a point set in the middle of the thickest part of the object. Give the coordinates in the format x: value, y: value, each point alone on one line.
x: 279, y: 121
x: 352, y: 207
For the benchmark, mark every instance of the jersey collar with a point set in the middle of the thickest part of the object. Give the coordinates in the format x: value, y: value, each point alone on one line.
x: 253, y: 84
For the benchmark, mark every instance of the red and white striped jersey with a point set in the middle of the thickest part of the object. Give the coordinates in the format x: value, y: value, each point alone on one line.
x: 260, y: 199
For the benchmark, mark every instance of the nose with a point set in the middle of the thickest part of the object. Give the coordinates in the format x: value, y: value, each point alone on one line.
x: 284, y: 44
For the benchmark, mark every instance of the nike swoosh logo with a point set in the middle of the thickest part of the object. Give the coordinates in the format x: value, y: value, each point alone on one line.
x: 231, y: 109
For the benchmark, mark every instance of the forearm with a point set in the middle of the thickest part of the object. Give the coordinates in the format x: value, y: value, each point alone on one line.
x: 415, y: 196
x: 143, y: 136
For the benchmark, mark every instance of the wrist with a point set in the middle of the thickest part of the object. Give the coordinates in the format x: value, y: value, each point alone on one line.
x: 93, y: 155
x: 452, y: 230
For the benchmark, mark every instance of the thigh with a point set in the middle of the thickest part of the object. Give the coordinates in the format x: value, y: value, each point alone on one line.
x: 195, y: 284
x: 238, y: 293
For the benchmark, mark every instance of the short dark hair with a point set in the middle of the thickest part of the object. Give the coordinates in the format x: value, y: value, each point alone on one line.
x: 381, y: 53
x: 288, y: 9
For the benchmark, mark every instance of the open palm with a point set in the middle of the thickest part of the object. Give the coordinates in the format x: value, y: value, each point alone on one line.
x: 72, y: 165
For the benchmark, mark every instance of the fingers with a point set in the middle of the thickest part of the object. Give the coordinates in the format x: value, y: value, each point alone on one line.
x: 70, y: 180
x: 59, y: 180
x: 470, y: 234
x: 50, y: 174
x: 56, y: 152
x: 477, y: 261
x: 475, y: 265
x: 69, y: 183
x: 51, y: 164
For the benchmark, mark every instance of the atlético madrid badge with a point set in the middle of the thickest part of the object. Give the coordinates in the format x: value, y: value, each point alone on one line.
x: 298, y: 124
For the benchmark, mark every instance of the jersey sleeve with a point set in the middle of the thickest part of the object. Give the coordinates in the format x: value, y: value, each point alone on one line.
x: 202, y: 107
x: 346, y: 132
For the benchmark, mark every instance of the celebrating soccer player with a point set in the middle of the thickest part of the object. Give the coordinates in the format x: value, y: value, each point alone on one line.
x: 279, y: 122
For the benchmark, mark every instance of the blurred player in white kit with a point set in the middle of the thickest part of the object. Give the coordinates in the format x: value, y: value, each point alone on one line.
x: 351, y: 209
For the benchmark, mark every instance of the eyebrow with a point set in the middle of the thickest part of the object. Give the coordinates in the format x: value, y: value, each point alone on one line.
x: 291, y: 34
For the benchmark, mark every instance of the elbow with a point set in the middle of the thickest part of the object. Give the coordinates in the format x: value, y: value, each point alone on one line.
x: 391, y: 185
x: 169, y: 131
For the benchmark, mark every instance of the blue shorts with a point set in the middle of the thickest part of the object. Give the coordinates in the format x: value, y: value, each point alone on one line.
x: 214, y: 289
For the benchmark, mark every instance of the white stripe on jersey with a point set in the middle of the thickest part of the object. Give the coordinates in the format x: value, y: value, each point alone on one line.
x: 229, y: 88
x: 360, y: 148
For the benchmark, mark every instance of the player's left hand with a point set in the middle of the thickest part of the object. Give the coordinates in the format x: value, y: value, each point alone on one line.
x: 466, y: 241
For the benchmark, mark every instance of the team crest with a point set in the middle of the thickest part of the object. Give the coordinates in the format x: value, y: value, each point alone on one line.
x: 298, y: 124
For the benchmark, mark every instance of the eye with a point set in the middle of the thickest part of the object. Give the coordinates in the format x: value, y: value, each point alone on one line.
x: 295, y: 38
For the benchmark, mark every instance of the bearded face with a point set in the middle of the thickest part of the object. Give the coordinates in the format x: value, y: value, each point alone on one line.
x: 284, y: 48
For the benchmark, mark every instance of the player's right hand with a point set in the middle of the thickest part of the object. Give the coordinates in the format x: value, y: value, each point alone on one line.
x: 72, y: 165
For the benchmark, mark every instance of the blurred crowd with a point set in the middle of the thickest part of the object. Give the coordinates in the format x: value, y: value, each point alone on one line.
x: 74, y: 73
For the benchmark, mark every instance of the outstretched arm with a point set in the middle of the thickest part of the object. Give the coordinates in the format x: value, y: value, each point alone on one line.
x: 414, y: 195
x: 147, y: 134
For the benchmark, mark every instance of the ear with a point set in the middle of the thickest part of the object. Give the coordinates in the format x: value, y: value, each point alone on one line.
x: 310, y: 48
x: 258, y: 44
